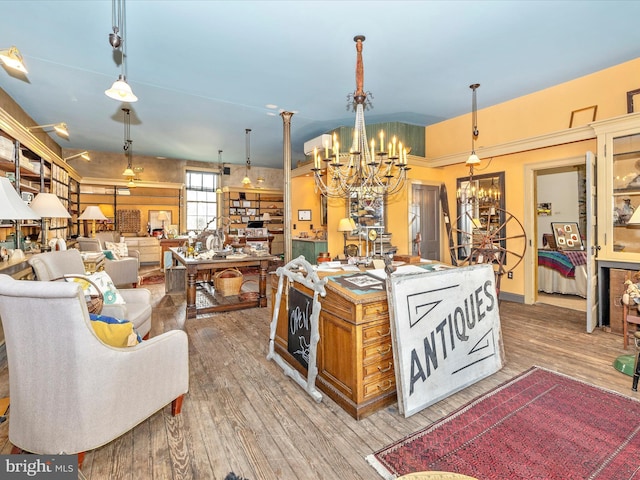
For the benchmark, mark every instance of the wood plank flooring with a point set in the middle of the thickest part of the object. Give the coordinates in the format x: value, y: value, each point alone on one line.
x: 243, y: 415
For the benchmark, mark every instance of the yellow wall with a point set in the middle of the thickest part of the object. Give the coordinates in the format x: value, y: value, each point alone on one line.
x: 541, y: 112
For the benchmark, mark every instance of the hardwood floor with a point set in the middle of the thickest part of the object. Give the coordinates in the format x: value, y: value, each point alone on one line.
x: 243, y: 415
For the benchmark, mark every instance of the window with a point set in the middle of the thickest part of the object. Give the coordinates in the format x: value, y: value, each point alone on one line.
x: 202, y: 201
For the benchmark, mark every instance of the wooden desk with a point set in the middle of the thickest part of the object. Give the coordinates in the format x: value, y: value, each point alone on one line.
x: 209, y: 300
x: 355, y: 353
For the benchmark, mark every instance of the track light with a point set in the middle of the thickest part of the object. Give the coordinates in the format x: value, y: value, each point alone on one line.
x: 11, y: 58
x: 60, y: 128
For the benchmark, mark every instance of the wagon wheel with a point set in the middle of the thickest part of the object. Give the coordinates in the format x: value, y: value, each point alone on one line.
x: 488, y: 244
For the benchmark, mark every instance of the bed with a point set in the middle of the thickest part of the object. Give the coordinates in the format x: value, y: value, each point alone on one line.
x: 562, y: 272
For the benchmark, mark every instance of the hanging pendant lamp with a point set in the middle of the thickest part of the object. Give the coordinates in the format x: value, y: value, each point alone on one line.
x: 246, y: 181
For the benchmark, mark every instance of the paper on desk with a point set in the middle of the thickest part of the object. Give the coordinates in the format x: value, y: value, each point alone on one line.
x: 401, y: 270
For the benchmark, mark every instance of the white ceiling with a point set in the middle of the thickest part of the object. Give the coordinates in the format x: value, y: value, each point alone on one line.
x: 204, y: 71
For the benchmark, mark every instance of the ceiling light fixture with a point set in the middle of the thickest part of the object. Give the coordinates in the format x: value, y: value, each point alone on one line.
x: 120, y: 90
x: 364, y: 171
x: 128, y: 151
x: 12, y: 58
x: 60, y: 128
x: 473, y: 158
x: 220, y: 171
x: 84, y: 155
x: 246, y: 181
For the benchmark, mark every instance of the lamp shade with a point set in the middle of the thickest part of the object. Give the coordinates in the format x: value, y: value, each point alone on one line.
x: 162, y: 216
x: 92, y: 212
x: 121, y: 91
x: 266, y: 216
x: 11, y: 205
x: 473, y: 159
x: 346, y: 225
x: 48, y: 205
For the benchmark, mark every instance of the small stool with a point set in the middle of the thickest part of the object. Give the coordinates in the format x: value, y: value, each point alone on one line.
x: 636, y: 374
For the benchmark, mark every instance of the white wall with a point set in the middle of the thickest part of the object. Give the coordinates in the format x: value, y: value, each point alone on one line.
x: 561, y: 190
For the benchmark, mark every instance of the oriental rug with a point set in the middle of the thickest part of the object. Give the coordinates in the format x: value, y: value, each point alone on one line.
x: 539, y: 425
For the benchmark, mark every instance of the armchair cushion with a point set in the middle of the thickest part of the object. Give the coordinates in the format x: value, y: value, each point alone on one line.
x: 103, y: 281
x: 110, y: 255
x: 120, y: 249
x: 114, y: 332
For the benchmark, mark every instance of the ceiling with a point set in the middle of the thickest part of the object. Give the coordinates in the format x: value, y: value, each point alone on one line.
x: 204, y: 71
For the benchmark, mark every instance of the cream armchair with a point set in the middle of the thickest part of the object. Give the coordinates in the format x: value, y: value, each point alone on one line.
x: 137, y: 308
x: 70, y: 392
x: 123, y: 271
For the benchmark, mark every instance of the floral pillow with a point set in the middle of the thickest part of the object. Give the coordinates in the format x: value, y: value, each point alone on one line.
x: 104, y: 283
x: 120, y: 249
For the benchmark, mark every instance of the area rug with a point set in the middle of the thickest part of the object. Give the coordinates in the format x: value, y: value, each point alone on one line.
x: 539, y: 425
x: 154, y: 279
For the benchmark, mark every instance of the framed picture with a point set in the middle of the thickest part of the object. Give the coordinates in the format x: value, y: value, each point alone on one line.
x: 304, y: 215
x: 156, y: 223
x: 236, y: 203
x: 245, y: 219
x: 567, y: 235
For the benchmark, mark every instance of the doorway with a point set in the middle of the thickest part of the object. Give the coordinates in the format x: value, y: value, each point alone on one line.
x: 559, y: 195
x: 424, y: 221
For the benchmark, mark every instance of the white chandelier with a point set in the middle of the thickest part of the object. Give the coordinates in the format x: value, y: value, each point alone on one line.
x: 362, y: 168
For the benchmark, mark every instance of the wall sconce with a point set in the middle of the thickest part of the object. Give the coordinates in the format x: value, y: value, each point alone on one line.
x: 84, y: 155
x: 60, y: 128
x: 12, y: 58
x: 93, y: 213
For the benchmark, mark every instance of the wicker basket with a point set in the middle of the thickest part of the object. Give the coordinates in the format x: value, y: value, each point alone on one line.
x: 94, y: 302
x: 246, y: 295
x: 228, y: 282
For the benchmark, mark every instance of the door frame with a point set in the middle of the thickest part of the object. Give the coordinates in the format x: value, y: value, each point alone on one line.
x: 530, y: 224
x: 440, y: 219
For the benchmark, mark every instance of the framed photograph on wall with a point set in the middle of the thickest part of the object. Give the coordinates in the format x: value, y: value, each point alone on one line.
x: 567, y: 235
x: 304, y: 215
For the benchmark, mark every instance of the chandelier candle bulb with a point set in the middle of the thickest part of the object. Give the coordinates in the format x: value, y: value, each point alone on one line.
x: 381, y: 140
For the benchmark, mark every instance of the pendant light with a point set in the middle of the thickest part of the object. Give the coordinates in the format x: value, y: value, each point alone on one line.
x: 473, y: 158
x: 120, y: 90
x: 128, y: 151
x: 246, y: 181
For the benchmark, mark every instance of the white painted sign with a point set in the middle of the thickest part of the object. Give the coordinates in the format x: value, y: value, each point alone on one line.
x: 446, y: 333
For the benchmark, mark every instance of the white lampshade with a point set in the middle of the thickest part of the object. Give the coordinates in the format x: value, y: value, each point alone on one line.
x: 346, y: 225
x: 162, y: 216
x: 266, y: 216
x: 121, y: 91
x: 92, y: 212
x: 12, y: 207
x: 635, y: 218
x: 12, y: 58
x: 473, y: 159
x: 48, y: 205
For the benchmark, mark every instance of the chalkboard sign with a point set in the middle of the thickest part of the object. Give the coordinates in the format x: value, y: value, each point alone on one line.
x: 299, y: 338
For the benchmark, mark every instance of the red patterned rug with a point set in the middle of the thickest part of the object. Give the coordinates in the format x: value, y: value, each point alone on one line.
x: 154, y: 279
x: 539, y: 425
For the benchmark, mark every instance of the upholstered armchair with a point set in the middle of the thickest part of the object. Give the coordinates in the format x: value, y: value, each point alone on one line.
x: 123, y: 271
x: 137, y: 307
x: 70, y: 392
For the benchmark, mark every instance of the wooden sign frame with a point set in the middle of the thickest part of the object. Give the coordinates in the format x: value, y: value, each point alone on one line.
x: 446, y: 335
x: 301, y: 271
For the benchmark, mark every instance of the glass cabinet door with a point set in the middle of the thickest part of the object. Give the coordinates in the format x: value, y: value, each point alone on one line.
x: 625, y: 202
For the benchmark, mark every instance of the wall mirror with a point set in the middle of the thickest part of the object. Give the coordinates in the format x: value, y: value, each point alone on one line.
x: 481, y: 214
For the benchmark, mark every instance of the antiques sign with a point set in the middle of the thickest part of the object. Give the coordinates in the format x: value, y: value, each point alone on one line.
x: 446, y: 333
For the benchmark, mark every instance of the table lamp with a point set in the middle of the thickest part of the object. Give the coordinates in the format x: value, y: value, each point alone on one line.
x: 266, y: 217
x: 163, y: 217
x: 346, y: 225
x: 93, y: 213
x: 12, y: 207
x: 48, y: 206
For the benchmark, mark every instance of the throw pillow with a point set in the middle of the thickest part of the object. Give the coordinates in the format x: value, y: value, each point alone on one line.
x: 110, y: 255
x: 104, y: 283
x: 120, y: 249
x: 114, y: 332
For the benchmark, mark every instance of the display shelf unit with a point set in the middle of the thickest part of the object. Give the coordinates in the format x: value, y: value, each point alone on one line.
x: 34, y: 168
x: 247, y: 205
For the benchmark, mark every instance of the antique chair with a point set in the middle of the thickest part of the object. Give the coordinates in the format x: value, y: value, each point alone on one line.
x: 137, y: 307
x: 124, y: 270
x: 70, y: 392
